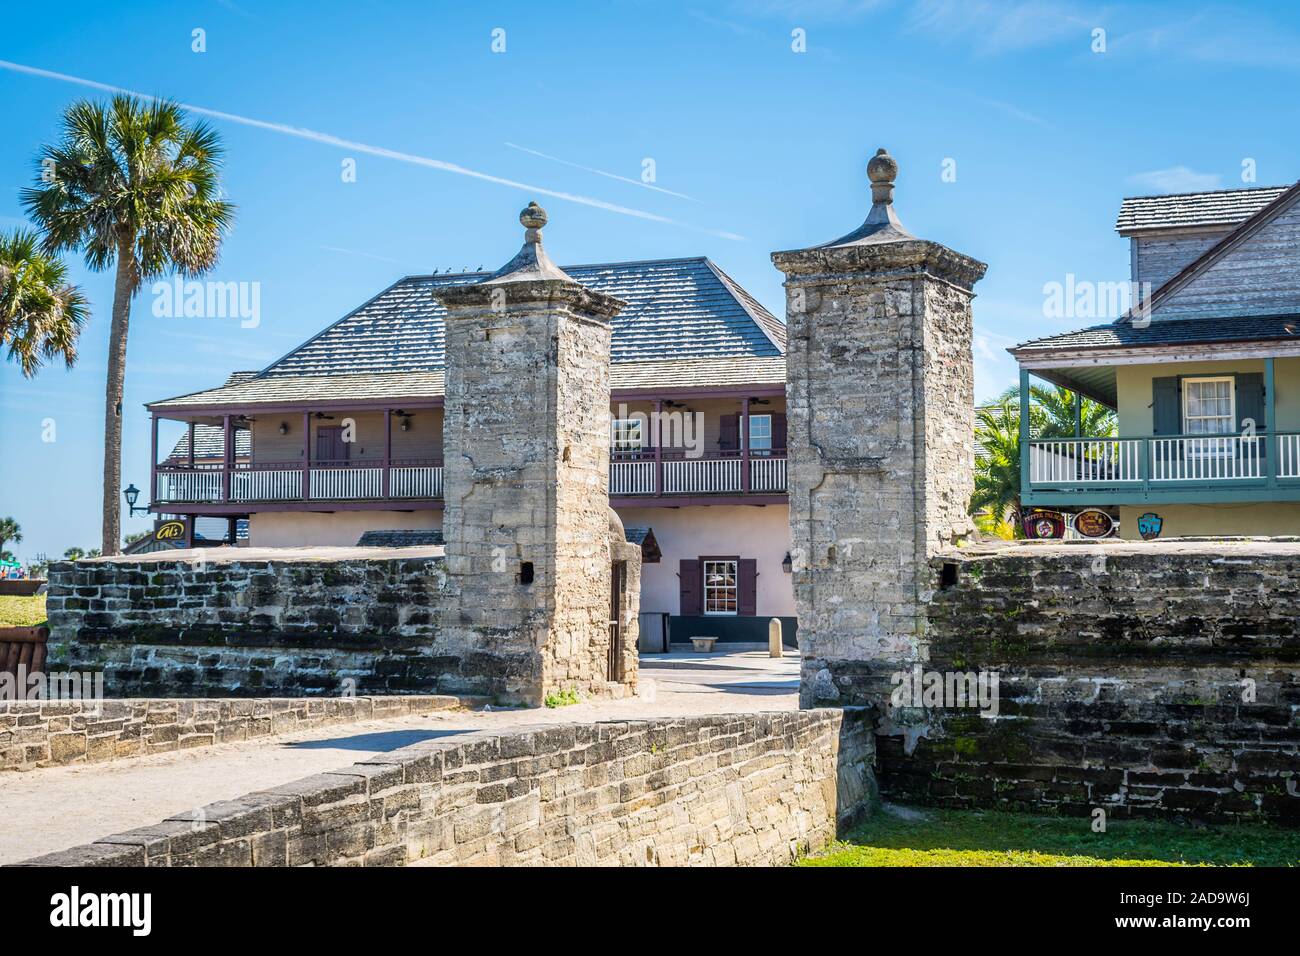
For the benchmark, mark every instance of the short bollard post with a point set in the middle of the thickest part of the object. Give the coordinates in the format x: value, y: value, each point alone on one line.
x: 774, y: 637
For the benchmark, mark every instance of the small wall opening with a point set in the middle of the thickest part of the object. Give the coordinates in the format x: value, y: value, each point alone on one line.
x: 525, y: 572
x: 948, y: 575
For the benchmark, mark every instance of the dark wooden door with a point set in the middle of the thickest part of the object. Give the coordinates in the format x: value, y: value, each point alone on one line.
x: 330, y: 445
x: 617, y: 585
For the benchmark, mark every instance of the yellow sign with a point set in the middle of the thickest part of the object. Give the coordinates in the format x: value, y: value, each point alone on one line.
x: 169, y: 530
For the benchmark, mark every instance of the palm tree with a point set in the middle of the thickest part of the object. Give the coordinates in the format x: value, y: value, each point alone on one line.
x: 996, y: 500
x: 76, y: 554
x: 130, y: 185
x: 1051, y: 413
x: 41, y: 313
x: 9, y: 531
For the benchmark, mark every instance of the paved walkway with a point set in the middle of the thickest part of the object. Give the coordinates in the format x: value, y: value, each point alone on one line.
x: 46, y: 810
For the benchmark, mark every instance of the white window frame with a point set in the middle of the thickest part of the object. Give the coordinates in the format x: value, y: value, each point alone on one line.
x: 767, y: 419
x: 733, y: 589
x: 1210, y: 447
x: 624, y: 442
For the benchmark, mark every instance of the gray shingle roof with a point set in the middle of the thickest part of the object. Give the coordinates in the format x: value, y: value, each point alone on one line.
x: 675, y: 307
x: 1224, y: 207
x: 210, y: 443
x: 1171, y: 332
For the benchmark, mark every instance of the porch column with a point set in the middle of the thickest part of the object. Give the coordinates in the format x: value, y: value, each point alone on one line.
x: 659, y: 447
x: 228, y: 454
x: 191, y: 446
x: 388, y: 447
x: 1078, y: 415
x: 306, y: 455
x: 153, y: 460
x: 1024, y: 434
x: 1270, y: 419
x: 744, y: 446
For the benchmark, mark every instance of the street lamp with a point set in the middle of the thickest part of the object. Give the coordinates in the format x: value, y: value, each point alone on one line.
x: 132, y: 494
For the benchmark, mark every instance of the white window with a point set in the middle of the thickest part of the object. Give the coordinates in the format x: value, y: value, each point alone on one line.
x: 1209, y: 406
x: 720, y: 587
x: 760, y: 433
x: 625, y: 434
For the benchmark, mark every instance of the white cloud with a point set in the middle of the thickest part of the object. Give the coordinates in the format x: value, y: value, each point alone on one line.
x: 1177, y: 179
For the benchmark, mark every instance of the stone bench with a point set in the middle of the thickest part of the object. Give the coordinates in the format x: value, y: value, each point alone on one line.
x: 704, y: 644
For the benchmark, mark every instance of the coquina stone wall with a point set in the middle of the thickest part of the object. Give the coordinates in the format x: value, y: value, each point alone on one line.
x: 747, y: 789
x: 42, y: 733
x: 1145, y: 679
x: 229, y: 622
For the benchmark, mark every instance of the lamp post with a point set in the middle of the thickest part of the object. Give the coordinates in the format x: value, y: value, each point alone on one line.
x: 132, y: 494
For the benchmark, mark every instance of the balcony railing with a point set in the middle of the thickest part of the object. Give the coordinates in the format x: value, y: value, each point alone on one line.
x: 1162, y: 464
x: 636, y: 474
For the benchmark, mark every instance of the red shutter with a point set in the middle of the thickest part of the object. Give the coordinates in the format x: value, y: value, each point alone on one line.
x: 747, y: 587
x: 729, y: 433
x: 692, y: 589
x: 778, y: 431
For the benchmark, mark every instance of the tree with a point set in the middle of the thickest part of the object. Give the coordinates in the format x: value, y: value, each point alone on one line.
x: 76, y: 554
x: 9, y: 531
x: 995, y: 503
x: 1051, y: 413
x: 41, y: 313
x: 132, y: 186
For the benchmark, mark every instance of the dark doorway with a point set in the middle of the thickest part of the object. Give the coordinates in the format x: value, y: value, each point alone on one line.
x: 330, y: 446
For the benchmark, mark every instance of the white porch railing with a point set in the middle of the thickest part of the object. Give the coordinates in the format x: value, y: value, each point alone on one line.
x: 1189, y: 458
x: 631, y: 477
x: 341, y: 484
x: 415, y: 481
x: 702, y: 476
x: 1085, y: 459
x: 767, y: 475
x: 280, y: 484
x: 189, y: 486
x: 1288, y: 456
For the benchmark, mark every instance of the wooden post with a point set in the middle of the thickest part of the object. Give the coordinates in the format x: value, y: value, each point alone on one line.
x: 1024, y: 435
x: 744, y: 446
x: 306, y: 455
x: 153, y: 460
x: 659, y: 447
x: 388, y: 447
x: 774, y: 648
x: 228, y: 456
x: 1270, y: 419
x: 191, y: 446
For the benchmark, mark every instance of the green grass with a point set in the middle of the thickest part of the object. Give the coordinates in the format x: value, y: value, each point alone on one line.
x: 22, y: 611
x: 564, y: 698
x: 970, y: 838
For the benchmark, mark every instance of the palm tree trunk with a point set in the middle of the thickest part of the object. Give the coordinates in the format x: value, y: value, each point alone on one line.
x: 113, y: 389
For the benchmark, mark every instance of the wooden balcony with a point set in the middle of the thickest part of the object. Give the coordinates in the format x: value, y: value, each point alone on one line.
x: 261, y: 486
x: 1192, y: 469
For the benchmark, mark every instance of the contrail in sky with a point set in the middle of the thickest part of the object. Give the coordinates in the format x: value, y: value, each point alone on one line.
x: 601, y: 172
x: 330, y: 140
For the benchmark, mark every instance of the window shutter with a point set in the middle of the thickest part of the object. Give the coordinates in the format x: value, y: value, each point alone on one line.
x: 1166, y: 413
x: 1250, y: 403
x: 692, y: 589
x: 746, y: 587
x: 729, y: 433
x: 778, y: 431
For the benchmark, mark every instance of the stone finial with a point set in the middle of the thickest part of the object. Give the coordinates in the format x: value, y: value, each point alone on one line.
x: 531, y: 263
x: 882, y: 170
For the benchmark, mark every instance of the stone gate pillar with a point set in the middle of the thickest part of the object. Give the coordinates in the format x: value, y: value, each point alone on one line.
x: 881, y: 404
x: 526, y: 478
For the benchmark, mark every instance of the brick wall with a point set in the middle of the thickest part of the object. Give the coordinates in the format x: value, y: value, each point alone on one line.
x: 1123, y: 674
x: 51, y: 733
x: 750, y: 789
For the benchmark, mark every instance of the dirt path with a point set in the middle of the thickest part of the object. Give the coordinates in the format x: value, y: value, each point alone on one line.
x: 58, y: 807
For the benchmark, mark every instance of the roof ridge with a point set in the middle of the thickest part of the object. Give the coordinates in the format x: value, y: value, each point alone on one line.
x: 1207, y: 192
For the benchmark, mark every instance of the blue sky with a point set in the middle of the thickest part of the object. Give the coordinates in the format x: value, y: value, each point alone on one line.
x: 756, y: 147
